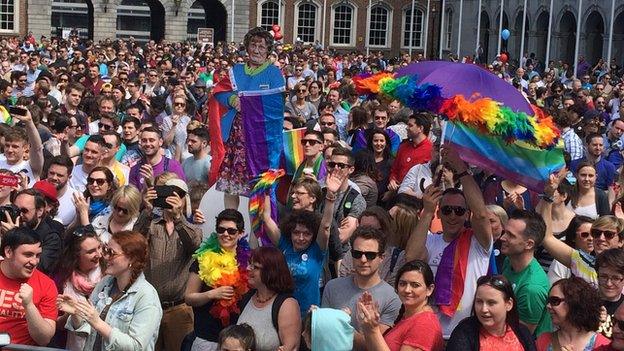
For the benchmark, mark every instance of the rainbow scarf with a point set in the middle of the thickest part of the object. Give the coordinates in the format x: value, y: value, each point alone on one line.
x: 224, y: 268
x: 482, y: 127
x: 451, y: 273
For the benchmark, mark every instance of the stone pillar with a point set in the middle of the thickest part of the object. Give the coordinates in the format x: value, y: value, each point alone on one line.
x: 104, y: 19
x: 40, y: 17
x: 175, y: 26
x: 241, y: 19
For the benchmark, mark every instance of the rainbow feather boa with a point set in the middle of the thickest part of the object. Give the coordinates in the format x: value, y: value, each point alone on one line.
x: 223, y: 268
x: 486, y: 115
x: 264, y: 184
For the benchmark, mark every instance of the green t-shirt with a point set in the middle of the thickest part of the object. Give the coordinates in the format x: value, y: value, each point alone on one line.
x: 531, y: 288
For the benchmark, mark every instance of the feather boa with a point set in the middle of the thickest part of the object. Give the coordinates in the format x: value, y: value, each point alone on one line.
x: 486, y: 115
x: 218, y: 267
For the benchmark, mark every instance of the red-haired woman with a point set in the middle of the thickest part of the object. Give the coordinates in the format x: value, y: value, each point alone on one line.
x: 272, y: 284
x: 123, y: 312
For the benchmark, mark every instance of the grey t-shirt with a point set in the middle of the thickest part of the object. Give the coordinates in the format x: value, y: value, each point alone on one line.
x: 342, y: 292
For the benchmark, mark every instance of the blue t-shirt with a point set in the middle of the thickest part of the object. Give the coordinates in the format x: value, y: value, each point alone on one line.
x: 306, y: 267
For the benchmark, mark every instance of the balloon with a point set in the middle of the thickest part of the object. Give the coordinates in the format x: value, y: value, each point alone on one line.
x: 276, y: 28
x: 505, y: 34
x: 278, y: 36
x: 504, y: 58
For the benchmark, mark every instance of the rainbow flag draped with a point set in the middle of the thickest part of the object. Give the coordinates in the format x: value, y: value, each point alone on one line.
x: 521, y: 147
x: 293, y: 150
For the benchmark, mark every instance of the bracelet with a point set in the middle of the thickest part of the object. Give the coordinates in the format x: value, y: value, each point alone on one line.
x: 464, y: 173
x: 331, y: 196
x: 546, y: 198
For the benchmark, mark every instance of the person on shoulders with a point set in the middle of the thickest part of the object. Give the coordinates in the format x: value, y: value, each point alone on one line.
x: 415, y: 151
x: 19, y: 140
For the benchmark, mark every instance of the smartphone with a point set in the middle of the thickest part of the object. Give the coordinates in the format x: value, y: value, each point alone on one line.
x: 20, y: 111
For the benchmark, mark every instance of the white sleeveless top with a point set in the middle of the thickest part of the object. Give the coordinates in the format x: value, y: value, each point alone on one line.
x: 260, y: 320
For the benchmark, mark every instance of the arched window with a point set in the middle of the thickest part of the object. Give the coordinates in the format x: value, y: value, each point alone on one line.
x: 380, y: 24
x: 343, y: 19
x: 417, y: 35
x: 269, y: 11
x: 307, y: 13
x: 448, y: 20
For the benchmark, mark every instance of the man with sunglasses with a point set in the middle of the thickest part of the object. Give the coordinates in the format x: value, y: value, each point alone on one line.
x: 523, y: 233
x: 367, y: 247
x: 472, y: 245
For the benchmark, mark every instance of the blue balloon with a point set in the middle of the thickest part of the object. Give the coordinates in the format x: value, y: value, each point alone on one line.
x: 505, y: 34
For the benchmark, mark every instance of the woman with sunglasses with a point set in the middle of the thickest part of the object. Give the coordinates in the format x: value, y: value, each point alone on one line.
x: 96, y: 198
x: 272, y: 286
x: 206, y: 294
x: 606, y: 232
x: 123, y: 311
x: 577, y: 236
x: 77, y: 275
x: 301, y: 108
x: 494, y: 324
x: 417, y: 326
x: 574, y: 306
x: 174, y: 128
x: 125, y: 204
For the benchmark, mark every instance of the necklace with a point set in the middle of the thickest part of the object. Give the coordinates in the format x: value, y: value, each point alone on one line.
x: 261, y: 301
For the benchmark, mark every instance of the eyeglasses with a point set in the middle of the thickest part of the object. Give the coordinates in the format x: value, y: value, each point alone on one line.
x: 98, y: 181
x: 584, y: 235
x: 458, y: 210
x: 302, y: 91
x: 332, y: 164
x: 327, y: 124
x: 554, y: 300
x: 230, y: 231
x: 603, y: 278
x: 179, y: 104
x: 608, y: 234
x: 121, y: 209
x: 310, y: 142
x: 370, y: 255
x: 300, y: 193
x: 110, y: 253
x: 103, y: 126
x: 380, y: 118
x: 22, y: 80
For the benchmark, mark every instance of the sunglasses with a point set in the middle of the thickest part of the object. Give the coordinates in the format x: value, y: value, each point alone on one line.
x: 447, y: 210
x: 554, y: 300
x: 326, y: 124
x: 230, y: 231
x: 596, y: 233
x: 103, y: 126
x: 310, y: 142
x: 332, y: 164
x: 110, y: 253
x: 179, y: 104
x: 99, y: 181
x: 121, y: 209
x: 302, y: 91
x: 370, y: 255
x: 584, y: 235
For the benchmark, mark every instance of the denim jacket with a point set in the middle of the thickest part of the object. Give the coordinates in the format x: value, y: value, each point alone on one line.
x: 134, y: 318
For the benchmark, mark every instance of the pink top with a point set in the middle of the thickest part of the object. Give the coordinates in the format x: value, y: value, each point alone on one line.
x: 421, y: 330
x: 508, y: 342
x: 544, y: 342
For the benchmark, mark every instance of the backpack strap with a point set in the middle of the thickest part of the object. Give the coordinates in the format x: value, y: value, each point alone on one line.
x: 348, y: 199
x: 394, y: 258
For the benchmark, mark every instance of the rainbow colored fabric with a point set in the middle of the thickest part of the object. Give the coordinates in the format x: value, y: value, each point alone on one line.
x: 293, y: 150
x: 5, y: 117
x: 515, y: 145
x: 265, y: 184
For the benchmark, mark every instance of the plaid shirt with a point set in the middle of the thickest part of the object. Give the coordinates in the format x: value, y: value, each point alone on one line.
x: 572, y: 144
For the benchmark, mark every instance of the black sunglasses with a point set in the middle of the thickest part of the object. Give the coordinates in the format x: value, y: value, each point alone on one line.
x: 310, y: 142
x: 332, y: 164
x: 458, y: 210
x: 99, y: 181
x: 230, y: 231
x: 103, y: 126
x: 554, y: 300
x: 370, y: 255
x: 608, y: 234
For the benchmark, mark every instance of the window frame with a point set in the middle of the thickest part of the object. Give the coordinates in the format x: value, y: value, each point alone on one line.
x: 317, y: 19
x: 16, y: 14
x: 352, y: 29
x: 405, y: 33
x: 388, y: 30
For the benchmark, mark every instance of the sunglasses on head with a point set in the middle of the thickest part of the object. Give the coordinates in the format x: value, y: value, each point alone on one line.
x: 332, y: 164
x: 458, y: 210
x: 554, y: 300
x: 608, y: 234
x: 99, y: 181
x: 310, y: 142
x: 370, y: 255
x: 230, y: 231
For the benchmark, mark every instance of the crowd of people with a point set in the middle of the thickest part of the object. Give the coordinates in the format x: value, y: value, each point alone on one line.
x: 381, y: 239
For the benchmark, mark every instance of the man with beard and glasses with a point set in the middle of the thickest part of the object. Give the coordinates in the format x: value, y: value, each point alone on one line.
x: 59, y: 173
x: 28, y: 298
x: 31, y: 205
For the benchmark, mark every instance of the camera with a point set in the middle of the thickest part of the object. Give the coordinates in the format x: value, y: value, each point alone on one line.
x: 12, y: 210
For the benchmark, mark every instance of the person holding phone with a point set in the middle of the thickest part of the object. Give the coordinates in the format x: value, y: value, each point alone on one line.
x: 17, y: 140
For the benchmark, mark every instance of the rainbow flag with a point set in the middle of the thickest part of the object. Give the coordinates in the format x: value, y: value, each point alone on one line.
x: 293, y: 150
x: 518, y: 161
x: 5, y: 117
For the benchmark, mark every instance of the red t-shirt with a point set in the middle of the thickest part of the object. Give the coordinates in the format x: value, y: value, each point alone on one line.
x: 12, y: 314
x: 409, y: 156
x: 409, y: 331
